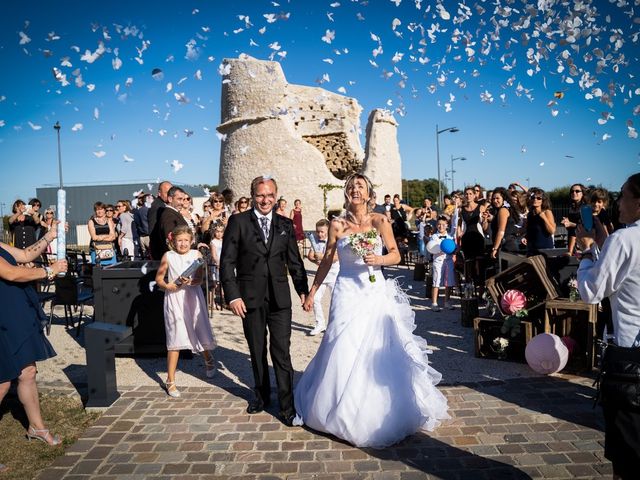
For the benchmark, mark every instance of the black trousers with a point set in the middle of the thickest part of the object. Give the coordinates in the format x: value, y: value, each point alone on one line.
x: 622, y: 441
x: 278, y: 323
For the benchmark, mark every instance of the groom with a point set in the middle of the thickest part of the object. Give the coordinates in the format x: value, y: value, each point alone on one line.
x: 257, y: 250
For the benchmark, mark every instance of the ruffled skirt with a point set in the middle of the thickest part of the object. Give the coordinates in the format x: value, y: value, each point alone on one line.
x: 370, y: 382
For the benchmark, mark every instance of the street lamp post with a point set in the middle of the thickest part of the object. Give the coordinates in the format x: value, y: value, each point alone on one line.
x: 61, y: 250
x: 453, y: 171
x: 438, y: 132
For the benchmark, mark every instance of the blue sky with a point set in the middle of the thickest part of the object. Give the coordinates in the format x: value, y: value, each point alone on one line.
x: 424, y: 72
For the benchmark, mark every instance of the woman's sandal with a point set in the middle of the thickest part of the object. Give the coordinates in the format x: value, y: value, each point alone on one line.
x: 43, y: 435
x: 172, y: 390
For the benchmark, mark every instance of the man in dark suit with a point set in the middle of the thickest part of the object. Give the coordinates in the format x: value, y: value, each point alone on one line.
x: 171, y: 217
x: 153, y: 215
x: 258, y: 249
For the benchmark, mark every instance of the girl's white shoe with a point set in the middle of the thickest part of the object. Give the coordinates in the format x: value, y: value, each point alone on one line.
x: 172, y: 390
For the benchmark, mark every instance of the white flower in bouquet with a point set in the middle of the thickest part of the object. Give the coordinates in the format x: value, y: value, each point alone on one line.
x: 363, y: 243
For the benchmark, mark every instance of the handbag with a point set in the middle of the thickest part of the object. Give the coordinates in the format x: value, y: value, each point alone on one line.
x: 619, y: 379
x: 104, y: 250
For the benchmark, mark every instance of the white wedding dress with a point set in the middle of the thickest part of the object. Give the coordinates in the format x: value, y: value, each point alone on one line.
x: 370, y: 382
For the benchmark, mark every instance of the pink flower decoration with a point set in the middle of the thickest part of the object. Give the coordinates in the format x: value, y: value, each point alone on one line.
x: 513, y: 301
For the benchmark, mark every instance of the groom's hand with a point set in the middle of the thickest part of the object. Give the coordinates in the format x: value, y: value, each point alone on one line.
x: 238, y: 307
x: 303, y: 298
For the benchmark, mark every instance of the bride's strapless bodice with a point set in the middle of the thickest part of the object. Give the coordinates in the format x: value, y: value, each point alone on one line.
x: 352, y: 265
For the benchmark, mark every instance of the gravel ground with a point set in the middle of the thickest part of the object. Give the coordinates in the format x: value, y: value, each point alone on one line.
x: 452, y: 345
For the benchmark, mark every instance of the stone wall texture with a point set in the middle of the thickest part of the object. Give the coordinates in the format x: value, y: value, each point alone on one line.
x: 302, y: 136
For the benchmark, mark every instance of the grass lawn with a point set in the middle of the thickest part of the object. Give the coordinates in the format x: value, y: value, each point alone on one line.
x: 63, y: 415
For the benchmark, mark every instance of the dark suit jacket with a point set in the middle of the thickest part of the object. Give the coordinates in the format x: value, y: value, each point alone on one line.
x: 169, y: 220
x: 156, y: 243
x: 248, y: 267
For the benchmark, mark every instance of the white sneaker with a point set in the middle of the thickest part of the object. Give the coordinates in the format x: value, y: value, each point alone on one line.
x: 435, y: 307
x: 318, y: 329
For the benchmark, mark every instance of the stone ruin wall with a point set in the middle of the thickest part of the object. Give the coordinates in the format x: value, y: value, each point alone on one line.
x: 302, y: 136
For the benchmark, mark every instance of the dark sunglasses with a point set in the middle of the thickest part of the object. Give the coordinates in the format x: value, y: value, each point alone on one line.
x: 217, y: 201
x: 109, y: 210
x: 576, y: 191
x: 536, y: 197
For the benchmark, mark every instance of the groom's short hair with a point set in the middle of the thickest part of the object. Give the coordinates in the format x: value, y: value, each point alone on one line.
x: 262, y: 179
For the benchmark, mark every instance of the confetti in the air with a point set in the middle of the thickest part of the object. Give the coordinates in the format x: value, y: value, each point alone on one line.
x: 176, y: 165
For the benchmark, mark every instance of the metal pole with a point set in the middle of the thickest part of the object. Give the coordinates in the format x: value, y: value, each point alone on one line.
x: 438, y: 160
x: 61, y: 213
x: 57, y: 128
x: 452, y: 172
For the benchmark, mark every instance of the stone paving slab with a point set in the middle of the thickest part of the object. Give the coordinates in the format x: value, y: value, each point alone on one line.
x: 521, y: 428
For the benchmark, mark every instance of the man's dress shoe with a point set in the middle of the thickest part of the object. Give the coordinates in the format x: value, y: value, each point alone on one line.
x: 256, y: 406
x: 287, y: 419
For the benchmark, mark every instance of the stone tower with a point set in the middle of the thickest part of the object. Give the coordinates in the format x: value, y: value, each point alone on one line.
x: 302, y: 136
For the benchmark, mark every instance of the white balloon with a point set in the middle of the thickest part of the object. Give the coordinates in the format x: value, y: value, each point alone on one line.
x: 433, y: 246
x: 546, y: 353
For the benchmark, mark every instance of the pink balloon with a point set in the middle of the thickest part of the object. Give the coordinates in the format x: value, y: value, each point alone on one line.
x: 546, y: 353
x: 513, y: 301
x: 570, y: 343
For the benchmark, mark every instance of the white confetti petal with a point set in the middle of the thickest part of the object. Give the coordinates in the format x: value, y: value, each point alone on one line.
x: 100, y: 153
x: 176, y: 165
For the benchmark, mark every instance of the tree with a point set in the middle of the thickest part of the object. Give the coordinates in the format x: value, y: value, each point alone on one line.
x: 415, y: 191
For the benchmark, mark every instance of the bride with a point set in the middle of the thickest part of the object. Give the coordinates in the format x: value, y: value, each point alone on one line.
x: 370, y: 382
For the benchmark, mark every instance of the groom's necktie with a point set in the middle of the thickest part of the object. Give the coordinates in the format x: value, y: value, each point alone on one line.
x: 264, y: 223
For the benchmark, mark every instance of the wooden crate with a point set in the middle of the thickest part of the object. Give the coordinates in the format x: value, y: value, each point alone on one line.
x: 486, y: 329
x: 577, y: 320
x: 530, y: 277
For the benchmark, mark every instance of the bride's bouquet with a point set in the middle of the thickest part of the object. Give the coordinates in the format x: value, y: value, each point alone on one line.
x: 363, y: 243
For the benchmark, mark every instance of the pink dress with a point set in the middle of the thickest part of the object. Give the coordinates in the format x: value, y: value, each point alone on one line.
x: 186, y: 319
x: 297, y: 225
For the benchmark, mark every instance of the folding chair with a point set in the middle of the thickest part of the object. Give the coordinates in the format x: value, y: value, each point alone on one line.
x: 69, y: 293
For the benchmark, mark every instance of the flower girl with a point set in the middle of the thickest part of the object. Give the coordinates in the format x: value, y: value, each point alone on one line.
x: 186, y: 320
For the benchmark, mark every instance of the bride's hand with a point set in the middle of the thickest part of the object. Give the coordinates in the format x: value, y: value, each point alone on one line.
x: 371, y: 259
x: 307, y: 306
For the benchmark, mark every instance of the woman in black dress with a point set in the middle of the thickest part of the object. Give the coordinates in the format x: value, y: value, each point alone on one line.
x: 471, y: 227
x: 503, y: 224
x: 22, y: 341
x: 578, y: 196
x: 540, y: 225
x: 23, y: 224
x: 103, y: 233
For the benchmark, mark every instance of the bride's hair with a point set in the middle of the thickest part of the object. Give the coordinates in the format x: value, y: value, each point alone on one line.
x: 349, y: 182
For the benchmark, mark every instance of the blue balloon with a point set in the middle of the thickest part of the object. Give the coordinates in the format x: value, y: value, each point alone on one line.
x: 448, y: 246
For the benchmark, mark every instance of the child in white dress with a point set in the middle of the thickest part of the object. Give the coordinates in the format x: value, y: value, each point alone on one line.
x: 442, y: 267
x: 186, y: 319
x: 216, y: 249
x: 316, y: 253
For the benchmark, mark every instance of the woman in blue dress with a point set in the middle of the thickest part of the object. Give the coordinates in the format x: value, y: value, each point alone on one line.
x: 22, y: 341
